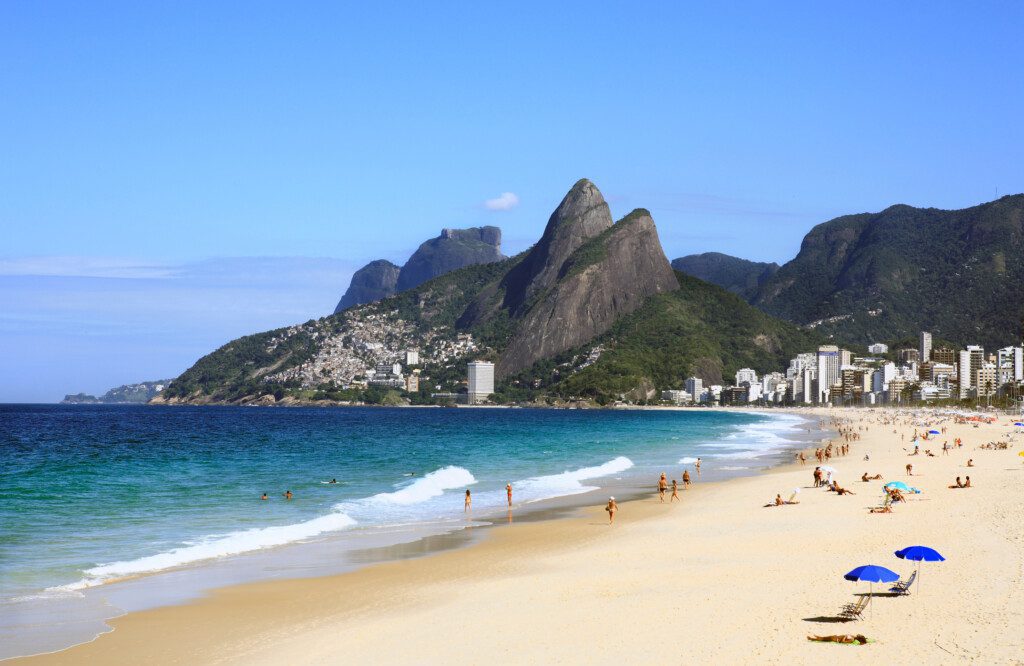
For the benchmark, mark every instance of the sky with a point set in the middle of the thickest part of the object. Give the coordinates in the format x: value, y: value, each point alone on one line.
x: 175, y: 174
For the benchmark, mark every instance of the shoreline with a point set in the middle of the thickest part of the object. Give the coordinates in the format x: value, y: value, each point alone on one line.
x: 532, y: 563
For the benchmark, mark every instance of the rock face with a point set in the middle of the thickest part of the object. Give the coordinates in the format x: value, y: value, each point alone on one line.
x: 739, y: 276
x: 374, y: 281
x: 453, y: 249
x: 582, y: 215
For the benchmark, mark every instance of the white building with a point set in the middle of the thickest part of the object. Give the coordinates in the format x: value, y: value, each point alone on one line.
x: 676, y: 396
x: 880, y: 380
x: 1010, y: 361
x: 695, y: 387
x: 970, y: 361
x: 412, y: 357
x: 481, y: 381
x: 830, y: 361
x: 746, y: 375
x: 878, y: 348
x: 924, y: 346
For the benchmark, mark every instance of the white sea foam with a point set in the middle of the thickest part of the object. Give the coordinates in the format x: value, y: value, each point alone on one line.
x: 569, y: 482
x: 687, y: 460
x: 421, y: 490
x: 234, y: 543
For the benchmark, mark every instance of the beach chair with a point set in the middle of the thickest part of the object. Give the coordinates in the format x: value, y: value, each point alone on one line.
x: 854, y: 611
x: 903, y: 587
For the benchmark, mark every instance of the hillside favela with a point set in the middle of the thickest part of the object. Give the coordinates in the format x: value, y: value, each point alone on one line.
x: 539, y: 334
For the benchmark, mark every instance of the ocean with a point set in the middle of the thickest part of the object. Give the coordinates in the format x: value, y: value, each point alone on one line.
x: 108, y: 509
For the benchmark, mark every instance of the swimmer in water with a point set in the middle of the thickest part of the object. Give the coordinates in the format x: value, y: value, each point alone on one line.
x: 333, y: 481
x: 264, y: 497
x: 288, y: 494
x: 468, y: 506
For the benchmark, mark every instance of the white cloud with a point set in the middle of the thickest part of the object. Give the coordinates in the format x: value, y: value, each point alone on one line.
x: 507, y: 201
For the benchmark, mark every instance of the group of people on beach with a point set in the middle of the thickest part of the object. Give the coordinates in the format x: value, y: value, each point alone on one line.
x: 467, y: 505
x: 686, y: 479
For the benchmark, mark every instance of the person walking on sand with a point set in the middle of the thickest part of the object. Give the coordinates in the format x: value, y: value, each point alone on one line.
x: 675, y: 491
x: 611, y: 508
x: 686, y: 479
x: 468, y: 506
x: 662, y: 487
x: 508, y: 491
x: 910, y: 470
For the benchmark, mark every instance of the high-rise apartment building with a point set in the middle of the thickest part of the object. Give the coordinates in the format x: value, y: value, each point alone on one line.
x: 1010, y: 361
x: 481, y: 381
x: 944, y: 355
x: 695, y: 387
x: 878, y: 348
x: 829, y: 364
x: 924, y: 346
x: 746, y: 375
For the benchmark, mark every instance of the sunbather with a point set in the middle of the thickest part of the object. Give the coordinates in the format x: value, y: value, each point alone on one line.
x: 867, y: 478
x: 852, y: 639
x: 881, y: 509
x: 958, y: 484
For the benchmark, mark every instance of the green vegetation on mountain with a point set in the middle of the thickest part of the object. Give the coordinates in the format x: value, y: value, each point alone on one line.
x: 739, y: 276
x: 887, y: 275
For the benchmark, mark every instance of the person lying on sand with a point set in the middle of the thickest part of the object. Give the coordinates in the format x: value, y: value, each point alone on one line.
x: 958, y: 484
x: 867, y: 478
x: 839, y: 490
x: 778, y: 501
x: 881, y: 509
x: 852, y: 639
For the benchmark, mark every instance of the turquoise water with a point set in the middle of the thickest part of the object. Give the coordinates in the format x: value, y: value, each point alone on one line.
x: 92, y: 495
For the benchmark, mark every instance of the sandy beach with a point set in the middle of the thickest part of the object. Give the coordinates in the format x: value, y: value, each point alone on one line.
x: 714, y: 578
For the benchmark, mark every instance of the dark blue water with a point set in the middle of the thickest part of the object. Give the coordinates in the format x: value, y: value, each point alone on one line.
x: 92, y: 494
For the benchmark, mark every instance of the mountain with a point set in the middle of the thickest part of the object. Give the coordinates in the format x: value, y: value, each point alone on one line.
x: 593, y: 311
x: 453, y: 249
x: 374, y: 281
x: 122, y: 395
x: 888, y: 275
x: 739, y: 276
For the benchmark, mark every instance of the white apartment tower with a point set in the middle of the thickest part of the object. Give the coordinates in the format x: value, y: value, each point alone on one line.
x: 695, y: 387
x: 481, y: 381
x: 746, y: 375
x: 829, y: 364
x: 925, y: 346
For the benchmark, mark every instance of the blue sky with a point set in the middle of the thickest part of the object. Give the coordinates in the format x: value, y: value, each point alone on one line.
x: 157, y: 158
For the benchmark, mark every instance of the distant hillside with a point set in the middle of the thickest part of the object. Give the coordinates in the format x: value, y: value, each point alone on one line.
x: 739, y: 276
x: 453, y: 249
x: 592, y: 311
x: 888, y: 275
x: 127, y: 394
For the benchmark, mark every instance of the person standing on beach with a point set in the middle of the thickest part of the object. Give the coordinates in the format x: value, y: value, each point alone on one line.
x: 508, y: 491
x: 468, y: 506
x: 662, y: 487
x: 686, y: 479
x: 697, y: 466
x: 675, y: 491
x: 611, y: 508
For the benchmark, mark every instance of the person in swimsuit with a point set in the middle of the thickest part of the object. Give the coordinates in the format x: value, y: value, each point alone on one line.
x: 970, y: 462
x: 508, y: 491
x: 958, y: 484
x: 675, y: 491
x: 264, y: 497
x: 662, y: 487
x: 697, y: 466
x: 288, y: 494
x: 469, y: 502
x: 851, y: 639
x: 967, y: 482
x: 686, y: 479
x: 611, y: 508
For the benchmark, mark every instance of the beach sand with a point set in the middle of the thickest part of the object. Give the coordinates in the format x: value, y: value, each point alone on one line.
x: 716, y: 578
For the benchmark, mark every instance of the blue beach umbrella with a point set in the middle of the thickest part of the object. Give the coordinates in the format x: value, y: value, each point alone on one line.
x: 934, y: 432
x: 902, y: 486
x: 871, y: 574
x: 919, y: 554
x: 1019, y: 424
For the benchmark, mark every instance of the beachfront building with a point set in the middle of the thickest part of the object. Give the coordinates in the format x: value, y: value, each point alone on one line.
x: 970, y: 361
x: 695, y: 387
x: 1010, y: 361
x: 944, y: 355
x: 878, y: 348
x: 985, y: 381
x: 676, y: 397
x: 745, y: 375
x: 830, y: 360
x: 481, y: 381
x: 924, y: 346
